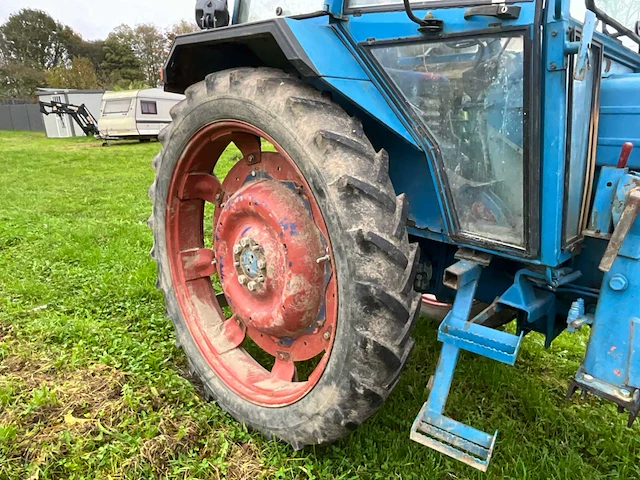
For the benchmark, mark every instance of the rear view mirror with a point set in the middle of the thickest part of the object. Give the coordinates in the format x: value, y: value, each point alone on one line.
x: 212, y: 14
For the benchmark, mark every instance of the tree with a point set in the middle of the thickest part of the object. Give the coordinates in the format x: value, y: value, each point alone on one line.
x: 150, y: 49
x: 34, y: 38
x: 120, y: 65
x: 181, y: 28
x: 18, y: 80
x: 626, y: 12
x: 80, y: 75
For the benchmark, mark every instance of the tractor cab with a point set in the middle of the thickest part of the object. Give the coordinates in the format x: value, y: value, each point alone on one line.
x: 498, y: 137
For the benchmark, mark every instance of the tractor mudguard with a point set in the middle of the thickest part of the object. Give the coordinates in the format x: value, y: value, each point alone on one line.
x: 294, y: 46
x: 268, y: 43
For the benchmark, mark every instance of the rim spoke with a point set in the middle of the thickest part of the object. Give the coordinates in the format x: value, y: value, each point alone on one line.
x: 197, y: 263
x: 201, y: 186
x: 284, y: 369
x: 249, y: 145
x: 233, y: 333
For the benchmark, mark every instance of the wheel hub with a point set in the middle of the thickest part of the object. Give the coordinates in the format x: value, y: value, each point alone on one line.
x: 250, y: 263
x: 276, y: 285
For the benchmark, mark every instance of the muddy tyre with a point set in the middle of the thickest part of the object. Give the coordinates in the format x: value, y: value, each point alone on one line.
x: 356, y: 265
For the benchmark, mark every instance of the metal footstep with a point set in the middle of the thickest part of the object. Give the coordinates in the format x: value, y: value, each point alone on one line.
x: 431, y: 427
x: 494, y: 344
x: 455, y: 439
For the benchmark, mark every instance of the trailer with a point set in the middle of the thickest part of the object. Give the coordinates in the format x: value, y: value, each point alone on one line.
x: 135, y: 114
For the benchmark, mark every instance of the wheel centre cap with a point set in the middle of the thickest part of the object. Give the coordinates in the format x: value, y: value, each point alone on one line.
x: 269, y: 236
x: 250, y: 263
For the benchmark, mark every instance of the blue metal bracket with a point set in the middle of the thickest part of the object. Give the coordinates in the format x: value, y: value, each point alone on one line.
x: 538, y: 305
x: 585, y: 46
x: 334, y: 8
x: 458, y: 332
x: 601, y: 220
x: 610, y: 369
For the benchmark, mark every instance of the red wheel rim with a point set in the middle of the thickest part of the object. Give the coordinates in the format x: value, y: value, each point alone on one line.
x: 431, y: 301
x: 271, y: 253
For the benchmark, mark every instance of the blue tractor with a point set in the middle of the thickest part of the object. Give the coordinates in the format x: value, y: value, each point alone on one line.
x: 476, y: 151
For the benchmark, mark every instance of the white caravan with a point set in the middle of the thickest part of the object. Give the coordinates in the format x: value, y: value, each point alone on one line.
x: 136, y: 114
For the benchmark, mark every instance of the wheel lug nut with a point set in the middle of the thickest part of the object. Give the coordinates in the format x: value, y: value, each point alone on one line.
x: 236, y: 264
x: 260, y: 280
x: 324, y: 259
x: 262, y: 263
x: 245, y: 242
x: 237, y: 249
x: 242, y: 279
x: 326, y: 335
x: 252, y: 286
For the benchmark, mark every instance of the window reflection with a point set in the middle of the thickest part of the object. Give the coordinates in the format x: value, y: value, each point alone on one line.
x: 470, y: 95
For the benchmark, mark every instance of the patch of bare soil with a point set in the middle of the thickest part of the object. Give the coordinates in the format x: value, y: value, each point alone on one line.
x: 45, y: 402
x: 181, y: 435
x: 46, y: 405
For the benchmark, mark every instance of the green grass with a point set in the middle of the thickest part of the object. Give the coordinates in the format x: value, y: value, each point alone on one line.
x: 92, y: 386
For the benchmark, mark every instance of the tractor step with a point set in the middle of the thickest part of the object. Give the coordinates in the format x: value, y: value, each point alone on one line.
x: 455, y: 439
x: 485, y: 341
x: 459, y: 332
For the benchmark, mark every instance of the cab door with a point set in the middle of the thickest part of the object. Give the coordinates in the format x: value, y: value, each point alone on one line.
x: 466, y: 89
x: 582, y: 127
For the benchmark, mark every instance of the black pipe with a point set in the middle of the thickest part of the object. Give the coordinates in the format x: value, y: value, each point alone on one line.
x: 411, y: 15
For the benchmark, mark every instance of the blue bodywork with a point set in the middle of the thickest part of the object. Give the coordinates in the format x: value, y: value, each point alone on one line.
x: 559, y: 98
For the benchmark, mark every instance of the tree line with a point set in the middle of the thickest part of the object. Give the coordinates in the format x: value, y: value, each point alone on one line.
x: 38, y: 51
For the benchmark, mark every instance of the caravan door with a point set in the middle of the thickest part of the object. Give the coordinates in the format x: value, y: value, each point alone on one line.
x: 118, y: 118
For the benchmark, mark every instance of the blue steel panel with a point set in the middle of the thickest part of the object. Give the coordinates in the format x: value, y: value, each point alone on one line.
x: 601, y: 221
x: 411, y: 175
x: 613, y: 336
x: 392, y: 25
x: 368, y: 97
x: 554, y: 134
x: 619, y: 119
x: 634, y: 357
x: 327, y: 52
x: 609, y: 352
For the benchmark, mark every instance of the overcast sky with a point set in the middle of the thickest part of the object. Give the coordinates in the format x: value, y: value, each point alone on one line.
x: 95, y: 19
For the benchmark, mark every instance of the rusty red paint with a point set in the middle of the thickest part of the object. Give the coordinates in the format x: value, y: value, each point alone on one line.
x: 625, y: 153
x: 272, y: 215
x: 272, y: 199
x: 197, y: 263
x: 200, y: 186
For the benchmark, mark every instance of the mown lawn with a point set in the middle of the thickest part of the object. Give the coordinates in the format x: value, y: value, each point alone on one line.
x: 92, y: 386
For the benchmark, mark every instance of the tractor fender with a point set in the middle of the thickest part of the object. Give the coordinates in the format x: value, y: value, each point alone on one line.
x: 306, y: 46
x: 267, y: 43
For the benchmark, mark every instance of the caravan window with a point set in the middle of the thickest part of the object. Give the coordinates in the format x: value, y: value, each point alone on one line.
x: 116, y: 106
x: 149, y: 108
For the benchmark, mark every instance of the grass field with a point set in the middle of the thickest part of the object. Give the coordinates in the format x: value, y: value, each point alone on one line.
x: 92, y: 386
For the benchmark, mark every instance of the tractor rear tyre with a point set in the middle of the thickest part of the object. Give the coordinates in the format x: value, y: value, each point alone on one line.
x: 309, y: 246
